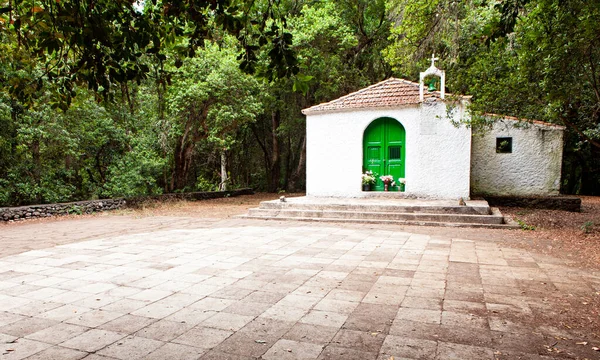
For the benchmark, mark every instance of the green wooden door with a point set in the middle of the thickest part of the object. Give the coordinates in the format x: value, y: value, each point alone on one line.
x: 384, y: 150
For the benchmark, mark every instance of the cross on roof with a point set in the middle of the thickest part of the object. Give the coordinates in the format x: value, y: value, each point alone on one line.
x: 433, y: 59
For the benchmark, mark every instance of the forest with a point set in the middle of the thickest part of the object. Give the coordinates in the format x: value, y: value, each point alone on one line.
x: 118, y: 98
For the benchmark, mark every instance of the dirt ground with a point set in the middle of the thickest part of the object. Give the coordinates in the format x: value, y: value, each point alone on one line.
x: 563, y: 234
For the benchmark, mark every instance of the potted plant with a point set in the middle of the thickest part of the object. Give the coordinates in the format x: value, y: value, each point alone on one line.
x: 402, y: 184
x: 368, y: 179
x: 387, y: 181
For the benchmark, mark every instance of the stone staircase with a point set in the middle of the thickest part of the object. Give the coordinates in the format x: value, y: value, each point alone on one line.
x: 384, y: 210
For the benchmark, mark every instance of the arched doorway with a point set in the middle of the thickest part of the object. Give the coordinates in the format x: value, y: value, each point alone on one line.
x: 384, y: 149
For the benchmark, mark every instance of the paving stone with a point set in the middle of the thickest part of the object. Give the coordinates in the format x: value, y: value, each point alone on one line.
x: 58, y: 333
x: 203, y: 337
x: 359, y: 340
x: 421, y: 303
x: 232, y: 292
x: 191, y: 316
x: 93, y: 340
x: 96, y: 301
x: 212, y: 304
x: 415, y: 330
x: 20, y: 289
x: 402, y: 347
x: 247, y: 308
x: 246, y: 345
x: 127, y: 324
x: 346, y: 295
x: 164, y: 330
x: 131, y: 347
x: 69, y: 297
x: 338, y: 306
x: 464, y: 306
x: 218, y: 355
x: 10, y: 302
x: 315, y: 334
x: 34, y: 308
x: 324, y: 318
x: 173, y: 351
x: 532, y: 343
x: 227, y: 321
x: 58, y: 353
x: 27, y: 326
x: 150, y: 295
x: 289, y: 349
x: 96, y: 288
x: 124, y: 306
x: 371, y: 317
x: 299, y: 301
x: 262, y: 328
x: 335, y: 352
x: 64, y: 312
x: 419, y: 315
x: 9, y: 318
x: 43, y: 293
x: 374, y: 297
x: 456, y: 351
x: 93, y: 318
x: 6, y: 339
x: 284, y: 313
x: 464, y: 335
x: 22, y: 348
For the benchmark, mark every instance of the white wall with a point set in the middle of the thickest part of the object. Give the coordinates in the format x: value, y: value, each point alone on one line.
x: 438, y: 154
x: 533, y: 167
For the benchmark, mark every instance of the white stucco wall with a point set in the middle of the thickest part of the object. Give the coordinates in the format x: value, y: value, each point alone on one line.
x: 533, y: 167
x: 438, y: 154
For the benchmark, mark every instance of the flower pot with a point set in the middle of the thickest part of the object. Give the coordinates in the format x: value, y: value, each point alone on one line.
x: 402, y: 187
x: 366, y: 187
x: 385, y: 186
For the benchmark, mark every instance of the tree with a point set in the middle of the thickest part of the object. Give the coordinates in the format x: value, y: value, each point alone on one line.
x: 102, y: 43
x: 209, y: 99
x: 534, y: 59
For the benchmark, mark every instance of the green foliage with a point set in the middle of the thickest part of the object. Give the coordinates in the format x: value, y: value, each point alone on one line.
x: 105, y: 43
x: 588, y: 227
x: 524, y: 225
x: 203, y: 184
x: 75, y: 209
x: 533, y: 59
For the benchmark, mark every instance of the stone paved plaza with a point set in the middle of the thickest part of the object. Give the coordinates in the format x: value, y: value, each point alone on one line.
x: 243, y: 289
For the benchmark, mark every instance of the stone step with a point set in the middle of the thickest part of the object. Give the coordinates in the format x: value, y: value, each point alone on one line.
x: 383, y: 208
x: 295, y: 213
x: 388, y: 222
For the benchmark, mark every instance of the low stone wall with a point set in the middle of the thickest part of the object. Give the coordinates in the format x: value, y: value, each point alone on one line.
x: 41, y: 211
x: 567, y: 203
x: 135, y: 201
x: 90, y: 206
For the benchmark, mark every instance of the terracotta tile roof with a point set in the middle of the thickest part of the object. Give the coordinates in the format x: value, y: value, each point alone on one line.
x: 536, y: 122
x: 388, y: 93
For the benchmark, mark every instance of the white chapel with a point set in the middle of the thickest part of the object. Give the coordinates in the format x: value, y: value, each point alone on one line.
x: 398, y: 128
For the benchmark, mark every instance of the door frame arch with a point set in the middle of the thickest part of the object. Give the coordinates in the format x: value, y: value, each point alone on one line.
x: 384, y: 149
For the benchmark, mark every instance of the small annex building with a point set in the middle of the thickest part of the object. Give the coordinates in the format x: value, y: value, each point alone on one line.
x: 398, y: 128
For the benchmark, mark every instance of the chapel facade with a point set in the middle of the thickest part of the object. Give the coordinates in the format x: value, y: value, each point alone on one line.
x: 398, y: 128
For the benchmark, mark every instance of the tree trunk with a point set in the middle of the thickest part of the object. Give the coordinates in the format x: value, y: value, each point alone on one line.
x: 589, y: 180
x: 288, y: 163
x: 224, y: 180
x: 299, y: 171
x: 183, y: 159
x: 37, y: 167
x: 275, y: 169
